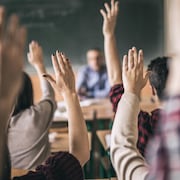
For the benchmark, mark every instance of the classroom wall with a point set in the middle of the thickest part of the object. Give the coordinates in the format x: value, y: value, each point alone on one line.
x: 73, y: 26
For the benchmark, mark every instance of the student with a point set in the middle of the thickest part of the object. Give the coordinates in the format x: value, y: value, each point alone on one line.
x: 29, y: 125
x: 163, y: 151
x: 126, y: 159
x: 92, y: 80
x: 63, y: 165
x: 159, y: 71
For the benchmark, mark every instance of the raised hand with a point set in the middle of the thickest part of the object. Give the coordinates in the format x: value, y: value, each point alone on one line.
x: 12, y: 43
x: 110, y: 17
x: 110, y: 47
x: 133, y: 77
x: 35, y: 54
x: 64, y: 81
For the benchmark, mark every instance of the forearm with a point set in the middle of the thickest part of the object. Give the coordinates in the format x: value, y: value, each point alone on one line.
x: 47, y: 91
x: 124, y: 154
x: 112, y: 59
x: 78, y: 137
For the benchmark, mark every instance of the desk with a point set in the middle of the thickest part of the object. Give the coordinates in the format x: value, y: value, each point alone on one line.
x: 102, y: 107
x: 61, y: 140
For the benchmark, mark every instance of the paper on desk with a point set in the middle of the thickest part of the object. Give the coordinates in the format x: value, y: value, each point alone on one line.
x: 88, y: 102
x: 108, y: 140
x: 60, y: 113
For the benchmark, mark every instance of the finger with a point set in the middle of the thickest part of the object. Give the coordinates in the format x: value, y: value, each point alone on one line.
x: 103, y: 13
x: 65, y: 61
x: 12, y: 27
x: 69, y: 66
x: 31, y: 47
x: 60, y: 61
x: 112, y: 6
x: 50, y: 79
x: 55, y: 65
x: 145, y: 79
x: 135, y: 56
x: 125, y: 63
x: 107, y: 9
x: 130, y: 59
x: 29, y: 56
x: 116, y: 7
x: 2, y: 17
x: 64, y: 58
x: 140, y: 58
x: 21, y: 38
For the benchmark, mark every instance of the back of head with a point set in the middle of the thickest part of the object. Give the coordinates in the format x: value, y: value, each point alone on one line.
x: 25, y: 98
x: 159, y: 73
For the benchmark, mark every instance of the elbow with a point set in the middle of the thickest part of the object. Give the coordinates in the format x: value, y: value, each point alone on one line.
x: 85, y: 158
x: 83, y: 155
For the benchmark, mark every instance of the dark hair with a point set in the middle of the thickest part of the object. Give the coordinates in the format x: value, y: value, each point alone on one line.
x: 159, y: 73
x: 25, y: 98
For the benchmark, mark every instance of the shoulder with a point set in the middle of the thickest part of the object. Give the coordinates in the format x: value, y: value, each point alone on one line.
x: 64, y: 163
x: 84, y: 69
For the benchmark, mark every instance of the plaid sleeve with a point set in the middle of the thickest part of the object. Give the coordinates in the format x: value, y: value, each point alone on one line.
x: 164, y: 149
x: 115, y: 95
x: 146, y: 125
x: 60, y: 166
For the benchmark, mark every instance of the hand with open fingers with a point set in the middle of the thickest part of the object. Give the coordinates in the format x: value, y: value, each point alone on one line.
x: 35, y: 54
x: 133, y: 77
x: 12, y: 44
x: 110, y: 17
x: 64, y: 81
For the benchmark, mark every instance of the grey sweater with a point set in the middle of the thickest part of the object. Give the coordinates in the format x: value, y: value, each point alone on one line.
x: 126, y: 159
x: 28, y: 131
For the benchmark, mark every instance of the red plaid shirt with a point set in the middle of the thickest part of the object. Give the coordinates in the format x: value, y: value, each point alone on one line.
x: 146, y: 122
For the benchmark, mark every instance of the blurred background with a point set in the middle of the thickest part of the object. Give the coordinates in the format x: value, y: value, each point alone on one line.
x: 73, y: 26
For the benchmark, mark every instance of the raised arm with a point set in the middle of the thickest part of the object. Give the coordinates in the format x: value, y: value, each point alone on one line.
x: 126, y: 159
x: 64, y: 84
x: 35, y: 58
x: 110, y: 46
x: 12, y: 42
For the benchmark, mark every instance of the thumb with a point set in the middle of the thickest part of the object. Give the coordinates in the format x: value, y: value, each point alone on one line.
x: 146, y: 76
x: 50, y: 79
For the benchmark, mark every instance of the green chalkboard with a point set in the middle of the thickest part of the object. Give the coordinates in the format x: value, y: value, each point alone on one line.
x: 73, y: 26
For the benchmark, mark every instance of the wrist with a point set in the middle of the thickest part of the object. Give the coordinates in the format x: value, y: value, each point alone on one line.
x: 69, y: 96
x: 69, y: 93
x: 109, y: 35
x: 133, y: 91
x: 40, y: 68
